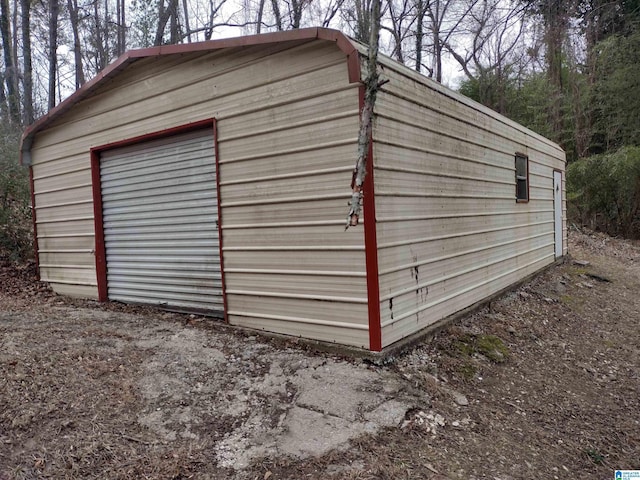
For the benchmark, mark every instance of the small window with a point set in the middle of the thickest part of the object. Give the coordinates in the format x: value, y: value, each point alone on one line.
x: 522, y: 178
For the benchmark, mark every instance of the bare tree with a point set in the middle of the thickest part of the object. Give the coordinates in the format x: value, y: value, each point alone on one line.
x: 53, y: 47
x: 357, y: 15
x: 121, y: 29
x: 27, y: 75
x: 401, y: 17
x: 275, y: 7
x: 77, y: 51
x: 11, y: 72
x: 168, y: 14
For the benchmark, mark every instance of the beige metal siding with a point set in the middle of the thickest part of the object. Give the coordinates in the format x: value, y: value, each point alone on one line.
x: 449, y: 230
x: 287, y: 127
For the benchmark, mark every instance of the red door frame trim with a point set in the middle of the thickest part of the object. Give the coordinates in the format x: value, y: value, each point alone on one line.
x: 36, y: 249
x: 219, y: 222
x: 100, y: 252
x: 371, y: 246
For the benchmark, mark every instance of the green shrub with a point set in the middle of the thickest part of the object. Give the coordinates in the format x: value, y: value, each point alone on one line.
x: 15, y: 211
x: 603, y: 192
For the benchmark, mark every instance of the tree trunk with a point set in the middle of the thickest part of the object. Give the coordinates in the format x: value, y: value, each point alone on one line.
x: 419, y: 33
x: 163, y: 18
x: 186, y: 19
x: 276, y: 14
x: 437, y: 44
x: 101, y: 57
x: 259, y: 17
x: 25, y: 6
x: 77, y: 52
x: 372, y: 85
x: 53, y: 46
x: 11, y: 74
x: 173, y: 30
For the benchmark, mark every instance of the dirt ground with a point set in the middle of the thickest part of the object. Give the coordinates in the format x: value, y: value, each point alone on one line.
x: 542, y: 383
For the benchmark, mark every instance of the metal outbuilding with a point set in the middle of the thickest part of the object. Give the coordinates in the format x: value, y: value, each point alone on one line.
x: 215, y: 177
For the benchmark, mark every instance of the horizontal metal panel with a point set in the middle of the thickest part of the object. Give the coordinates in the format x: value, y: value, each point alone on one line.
x: 427, y: 120
x: 185, y: 221
x: 180, y: 198
x: 303, y: 236
x: 394, y: 331
x: 391, y: 233
x: 161, y: 258
x: 312, y: 186
x: 302, y: 283
x: 257, y: 215
x: 178, y: 175
x: 128, y: 285
x: 446, y: 103
x: 55, y: 213
x: 338, y: 102
x: 80, y: 276
x: 355, y: 313
x: 144, y: 265
x: 412, y: 182
x: 333, y: 332
x: 144, y: 244
x: 170, y: 270
x: 432, y: 270
x: 324, y: 260
x: 295, y: 163
x: 388, y: 205
x: 392, y: 156
x: 81, y: 291
x: 64, y: 196
x: 81, y: 257
x: 72, y: 227
x: 73, y: 178
x: 191, y: 189
x: 168, y: 213
x: 337, y: 131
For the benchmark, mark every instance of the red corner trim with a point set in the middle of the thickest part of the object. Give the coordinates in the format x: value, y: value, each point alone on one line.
x: 100, y: 252
x: 220, y: 239
x: 371, y: 248
x: 36, y: 249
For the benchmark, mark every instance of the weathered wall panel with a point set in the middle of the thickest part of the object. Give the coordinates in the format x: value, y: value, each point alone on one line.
x: 449, y: 230
x: 287, y: 125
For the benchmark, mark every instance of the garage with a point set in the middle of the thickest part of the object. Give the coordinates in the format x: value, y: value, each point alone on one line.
x: 215, y: 177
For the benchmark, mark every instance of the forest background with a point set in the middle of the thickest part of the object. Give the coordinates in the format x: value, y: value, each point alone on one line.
x: 569, y: 70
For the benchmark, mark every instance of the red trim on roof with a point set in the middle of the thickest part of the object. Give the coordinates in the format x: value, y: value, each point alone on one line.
x: 342, y: 41
x: 371, y: 248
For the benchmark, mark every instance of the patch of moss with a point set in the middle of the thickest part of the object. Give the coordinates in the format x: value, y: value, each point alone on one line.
x: 595, y: 456
x: 492, y: 347
x: 467, y: 370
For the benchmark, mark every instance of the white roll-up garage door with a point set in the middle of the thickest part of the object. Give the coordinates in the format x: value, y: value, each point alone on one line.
x: 160, y: 216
